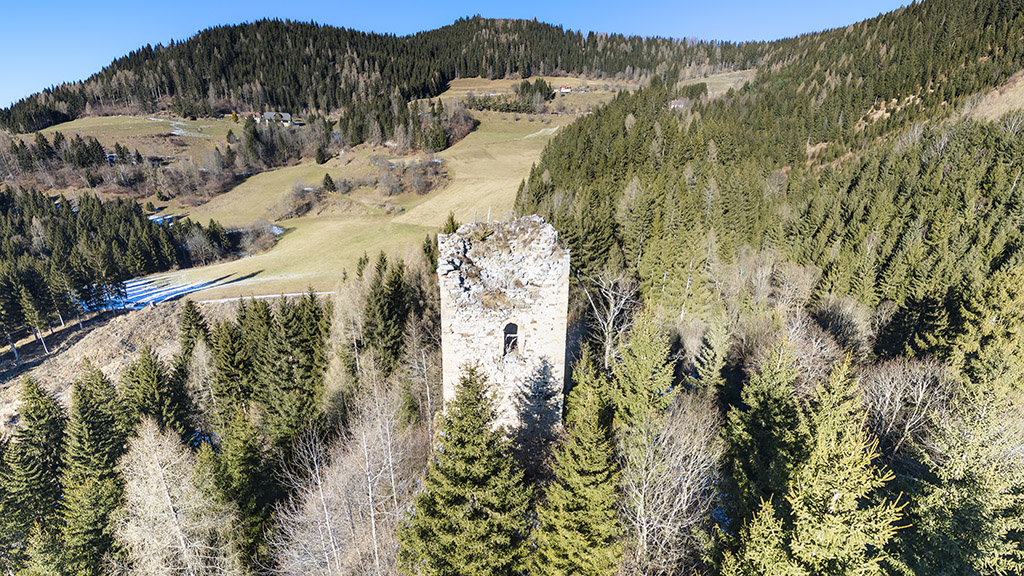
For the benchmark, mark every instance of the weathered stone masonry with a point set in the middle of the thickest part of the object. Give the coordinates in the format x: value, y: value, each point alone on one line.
x: 504, y: 302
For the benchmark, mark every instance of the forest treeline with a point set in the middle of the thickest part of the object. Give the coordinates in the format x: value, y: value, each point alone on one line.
x: 73, y: 161
x: 366, y: 79
x: 307, y: 437
x: 61, y: 257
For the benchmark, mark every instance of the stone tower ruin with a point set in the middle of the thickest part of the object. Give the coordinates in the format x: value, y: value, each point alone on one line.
x: 504, y: 301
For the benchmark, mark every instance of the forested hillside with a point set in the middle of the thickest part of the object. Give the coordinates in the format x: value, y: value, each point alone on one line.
x: 796, y: 309
x: 841, y: 205
x: 366, y: 79
x: 62, y: 257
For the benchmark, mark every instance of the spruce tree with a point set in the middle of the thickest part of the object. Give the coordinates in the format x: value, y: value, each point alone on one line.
x: 193, y: 326
x: 96, y: 437
x: 30, y: 473
x: 233, y: 367
x: 471, y: 517
x: 833, y: 524
x: 150, y: 391
x: 44, y: 555
x: 577, y: 523
x: 387, y: 310
x: 328, y: 184
x: 290, y: 370
x: 35, y: 314
x: 768, y: 437
x: 97, y: 430
x: 642, y: 378
x: 241, y: 476
x: 86, y: 535
x: 988, y: 349
x: 451, y: 225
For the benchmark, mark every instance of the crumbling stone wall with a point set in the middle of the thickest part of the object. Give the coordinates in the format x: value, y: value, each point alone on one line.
x: 494, y: 275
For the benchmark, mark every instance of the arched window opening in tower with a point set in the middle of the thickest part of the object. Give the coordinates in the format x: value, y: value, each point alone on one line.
x: 511, y: 338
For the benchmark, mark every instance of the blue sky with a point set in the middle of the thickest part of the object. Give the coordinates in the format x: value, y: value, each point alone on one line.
x: 47, y: 42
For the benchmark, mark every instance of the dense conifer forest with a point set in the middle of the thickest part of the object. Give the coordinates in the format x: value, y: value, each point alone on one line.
x: 60, y: 257
x: 798, y: 309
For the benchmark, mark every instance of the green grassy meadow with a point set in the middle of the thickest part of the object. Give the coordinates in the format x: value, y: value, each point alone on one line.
x: 484, y: 171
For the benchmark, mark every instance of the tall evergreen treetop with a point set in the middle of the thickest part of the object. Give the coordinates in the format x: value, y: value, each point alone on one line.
x: 577, y: 525
x: 193, y: 327
x: 834, y: 522
x: 150, y: 391
x: 471, y: 517
x: 30, y: 472
x: 98, y: 428
x: 768, y: 436
x: 642, y: 378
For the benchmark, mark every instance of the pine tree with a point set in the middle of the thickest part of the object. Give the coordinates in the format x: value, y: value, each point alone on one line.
x: 642, y: 378
x: 577, y: 523
x: 30, y: 473
x: 471, y: 516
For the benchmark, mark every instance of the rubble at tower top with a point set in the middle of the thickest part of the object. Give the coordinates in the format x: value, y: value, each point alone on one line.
x: 500, y: 264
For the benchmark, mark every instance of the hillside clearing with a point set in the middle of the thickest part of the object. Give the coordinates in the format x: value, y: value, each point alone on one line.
x: 484, y: 169
x: 151, y: 135
x: 996, y: 103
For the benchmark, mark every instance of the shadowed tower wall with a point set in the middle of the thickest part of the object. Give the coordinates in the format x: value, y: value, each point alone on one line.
x: 504, y: 302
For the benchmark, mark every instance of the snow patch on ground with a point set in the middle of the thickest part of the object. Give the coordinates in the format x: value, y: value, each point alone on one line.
x: 544, y: 132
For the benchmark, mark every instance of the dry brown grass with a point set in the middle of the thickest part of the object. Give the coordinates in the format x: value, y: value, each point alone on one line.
x: 158, y: 135
x: 996, y: 103
x: 111, y: 344
x: 719, y: 84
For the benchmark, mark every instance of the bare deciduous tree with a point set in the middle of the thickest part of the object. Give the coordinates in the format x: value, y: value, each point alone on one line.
x: 815, y: 352
x: 849, y: 322
x: 199, y: 384
x: 904, y: 398
x: 612, y: 302
x: 199, y: 247
x: 669, y: 470
x: 349, y: 498
x: 169, y: 525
